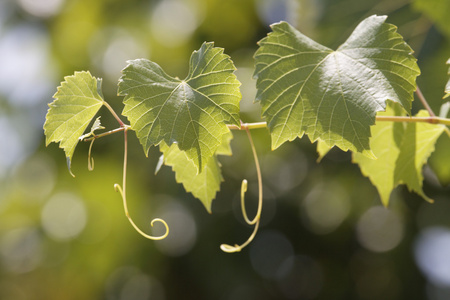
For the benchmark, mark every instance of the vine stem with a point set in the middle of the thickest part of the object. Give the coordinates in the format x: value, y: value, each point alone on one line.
x: 256, y: 220
x: 431, y: 120
x: 245, y: 126
x: 260, y: 125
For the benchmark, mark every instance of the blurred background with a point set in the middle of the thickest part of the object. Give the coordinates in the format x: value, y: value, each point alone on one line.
x: 324, y: 233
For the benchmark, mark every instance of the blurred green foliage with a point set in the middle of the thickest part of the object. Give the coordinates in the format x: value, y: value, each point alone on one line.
x: 323, y: 234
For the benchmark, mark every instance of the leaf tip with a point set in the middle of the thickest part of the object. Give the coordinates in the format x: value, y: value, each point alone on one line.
x: 429, y: 200
x: 69, y: 166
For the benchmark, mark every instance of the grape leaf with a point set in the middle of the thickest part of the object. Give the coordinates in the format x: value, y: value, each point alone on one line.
x: 192, y: 113
x: 76, y: 103
x: 439, y: 162
x: 447, y: 86
x: 204, y: 185
x: 402, y: 150
x: 304, y: 87
x: 322, y: 149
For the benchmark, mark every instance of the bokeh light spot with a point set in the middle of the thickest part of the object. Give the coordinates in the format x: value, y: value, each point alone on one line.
x: 183, y: 230
x: 28, y: 62
x: 431, y: 251
x: 41, y: 8
x: 64, y: 216
x: 111, y: 47
x: 379, y: 229
x: 325, y: 208
x: 35, y: 178
x: 21, y: 249
x: 174, y: 21
x: 130, y: 283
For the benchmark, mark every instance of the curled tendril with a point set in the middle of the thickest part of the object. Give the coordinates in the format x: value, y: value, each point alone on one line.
x: 122, y: 192
x: 90, y: 158
x: 236, y: 248
x: 255, y: 221
x: 117, y: 188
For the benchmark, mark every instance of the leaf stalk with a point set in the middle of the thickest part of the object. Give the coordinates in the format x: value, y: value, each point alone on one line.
x: 121, y: 123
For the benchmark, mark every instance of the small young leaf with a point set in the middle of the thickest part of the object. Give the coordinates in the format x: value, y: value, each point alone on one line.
x: 76, y: 103
x: 193, y: 113
x: 402, y: 150
x: 305, y: 87
x: 96, y: 126
x: 205, y: 185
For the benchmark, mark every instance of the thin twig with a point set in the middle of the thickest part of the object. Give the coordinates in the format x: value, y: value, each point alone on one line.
x: 121, y: 123
x: 431, y: 120
x: 245, y: 126
x: 96, y: 136
x: 424, y: 102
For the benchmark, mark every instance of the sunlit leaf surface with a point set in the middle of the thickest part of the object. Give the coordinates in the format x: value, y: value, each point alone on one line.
x: 402, y: 150
x: 204, y: 185
x: 332, y: 95
x: 76, y: 103
x: 192, y: 113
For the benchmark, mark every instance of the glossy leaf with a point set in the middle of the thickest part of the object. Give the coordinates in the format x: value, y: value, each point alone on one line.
x: 192, y: 113
x: 332, y: 95
x: 76, y: 103
x: 205, y: 185
x: 402, y: 150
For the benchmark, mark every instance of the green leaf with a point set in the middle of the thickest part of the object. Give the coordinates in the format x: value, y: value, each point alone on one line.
x: 96, y: 126
x: 439, y: 162
x: 438, y: 11
x: 402, y: 150
x: 447, y: 86
x: 305, y: 87
x: 76, y: 103
x: 193, y: 113
x: 322, y: 149
x: 205, y: 185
